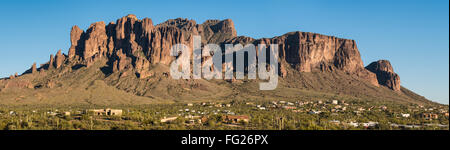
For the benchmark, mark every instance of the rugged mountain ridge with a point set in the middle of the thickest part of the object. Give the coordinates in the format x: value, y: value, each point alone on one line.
x: 149, y: 44
x: 136, y: 48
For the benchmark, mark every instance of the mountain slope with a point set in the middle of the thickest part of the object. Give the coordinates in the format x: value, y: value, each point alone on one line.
x: 127, y: 62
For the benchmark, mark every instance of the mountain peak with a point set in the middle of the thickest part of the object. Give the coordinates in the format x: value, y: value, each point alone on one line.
x: 134, y: 55
x: 385, y: 74
x: 132, y: 16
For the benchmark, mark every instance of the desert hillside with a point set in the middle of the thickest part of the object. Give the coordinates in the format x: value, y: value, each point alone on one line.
x: 127, y: 62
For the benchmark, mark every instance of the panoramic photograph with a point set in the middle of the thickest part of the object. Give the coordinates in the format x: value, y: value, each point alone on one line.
x: 235, y: 65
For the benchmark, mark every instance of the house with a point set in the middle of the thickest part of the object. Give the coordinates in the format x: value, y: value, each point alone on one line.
x: 114, y: 112
x: 297, y: 111
x: 12, y: 113
x: 289, y: 107
x: 335, y: 102
x: 335, y: 122
x: 249, y: 103
x: 313, y: 112
x: 190, y: 104
x: 354, y: 124
x: 169, y: 119
x: 204, y: 119
x: 192, y: 117
x: 405, y: 115
x: 52, y: 113
x: 369, y: 124
x: 235, y: 119
x: 194, y: 121
x: 106, y: 112
x: 430, y: 116
x: 191, y: 122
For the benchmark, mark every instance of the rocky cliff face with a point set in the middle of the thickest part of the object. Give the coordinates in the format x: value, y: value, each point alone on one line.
x: 307, y: 52
x: 133, y: 44
x: 132, y: 41
x: 140, y: 39
x: 385, y: 74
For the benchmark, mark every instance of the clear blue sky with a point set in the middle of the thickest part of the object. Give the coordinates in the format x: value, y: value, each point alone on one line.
x: 412, y: 34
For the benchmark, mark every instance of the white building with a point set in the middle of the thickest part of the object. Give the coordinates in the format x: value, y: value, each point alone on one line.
x: 369, y: 124
x: 168, y: 119
x: 354, y: 124
x: 335, y: 102
x: 313, y: 112
x: 405, y: 115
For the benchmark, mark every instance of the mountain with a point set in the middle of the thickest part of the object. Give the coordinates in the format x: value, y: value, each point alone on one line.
x: 127, y: 62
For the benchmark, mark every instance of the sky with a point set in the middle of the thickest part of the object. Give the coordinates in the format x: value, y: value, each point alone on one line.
x: 412, y: 34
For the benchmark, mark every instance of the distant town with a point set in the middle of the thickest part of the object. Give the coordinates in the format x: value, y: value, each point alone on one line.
x: 240, y: 115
